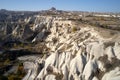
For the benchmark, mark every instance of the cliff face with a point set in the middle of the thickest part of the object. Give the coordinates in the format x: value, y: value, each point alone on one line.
x: 76, y: 52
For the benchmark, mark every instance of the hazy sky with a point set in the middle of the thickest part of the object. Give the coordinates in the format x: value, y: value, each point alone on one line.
x: 80, y: 5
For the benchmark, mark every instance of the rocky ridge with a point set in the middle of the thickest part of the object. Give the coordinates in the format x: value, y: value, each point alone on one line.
x: 75, y: 52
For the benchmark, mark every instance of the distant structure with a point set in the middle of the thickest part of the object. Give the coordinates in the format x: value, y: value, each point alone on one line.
x: 52, y: 9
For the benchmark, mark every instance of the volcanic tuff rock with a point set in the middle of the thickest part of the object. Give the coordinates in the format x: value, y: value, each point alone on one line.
x: 7, y: 30
x: 75, y: 52
x: 73, y: 45
x: 27, y: 32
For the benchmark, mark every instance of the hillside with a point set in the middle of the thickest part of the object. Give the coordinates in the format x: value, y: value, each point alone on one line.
x: 60, y: 45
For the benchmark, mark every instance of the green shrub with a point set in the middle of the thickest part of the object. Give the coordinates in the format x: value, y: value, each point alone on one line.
x: 74, y: 29
x: 7, y: 61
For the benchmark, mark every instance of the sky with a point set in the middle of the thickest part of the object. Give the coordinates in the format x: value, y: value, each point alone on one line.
x: 73, y: 5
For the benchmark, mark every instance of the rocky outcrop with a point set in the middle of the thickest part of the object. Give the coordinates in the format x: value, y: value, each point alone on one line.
x: 7, y: 30
x: 26, y: 33
x: 74, y: 54
x: 72, y: 48
x: 112, y: 75
x: 17, y: 31
x: 22, y: 32
x: 81, y: 66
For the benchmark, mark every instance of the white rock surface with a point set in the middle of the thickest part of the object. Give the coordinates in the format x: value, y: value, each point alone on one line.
x: 74, y: 55
x: 112, y: 75
x: 117, y: 50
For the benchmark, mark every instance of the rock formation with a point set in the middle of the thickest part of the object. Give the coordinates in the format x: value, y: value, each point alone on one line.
x: 7, y: 30
x: 75, y: 54
x: 27, y: 32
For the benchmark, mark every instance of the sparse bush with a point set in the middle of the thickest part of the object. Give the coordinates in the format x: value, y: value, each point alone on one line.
x: 104, y: 26
x: 59, y: 76
x: 19, y: 74
x: 107, y: 44
x: 7, y: 61
x: 15, y: 45
x: 54, y: 40
x: 74, y: 29
x: 112, y: 33
x: 11, y: 77
x: 20, y: 70
x: 22, y: 45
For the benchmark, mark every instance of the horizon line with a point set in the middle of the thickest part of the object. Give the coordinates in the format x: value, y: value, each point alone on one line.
x: 58, y: 10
